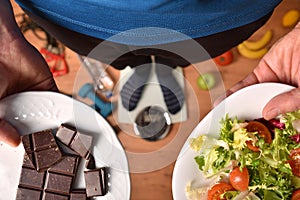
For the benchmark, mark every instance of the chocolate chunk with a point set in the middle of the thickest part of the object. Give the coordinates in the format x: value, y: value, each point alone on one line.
x: 96, y: 182
x: 78, y: 194
x: 66, y: 133
x: 41, y: 148
x: 30, y: 178
x: 47, y: 157
x: 90, y: 162
x: 28, y: 194
x: 82, y: 144
x: 58, y: 183
x: 78, y: 142
x: 42, y: 140
x: 52, y: 196
x: 68, y: 165
x: 26, y: 140
x: 27, y: 161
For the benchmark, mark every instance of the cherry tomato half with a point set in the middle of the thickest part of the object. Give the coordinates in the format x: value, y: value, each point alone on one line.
x: 239, y: 179
x: 295, y: 161
x: 296, y: 195
x: 217, y: 190
x: 224, y: 59
x: 262, y: 131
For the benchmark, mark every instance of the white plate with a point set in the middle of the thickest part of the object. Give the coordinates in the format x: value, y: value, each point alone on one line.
x: 245, y: 104
x: 34, y: 111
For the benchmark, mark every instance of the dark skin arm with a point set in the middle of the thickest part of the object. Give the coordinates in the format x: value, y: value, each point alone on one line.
x: 22, y: 67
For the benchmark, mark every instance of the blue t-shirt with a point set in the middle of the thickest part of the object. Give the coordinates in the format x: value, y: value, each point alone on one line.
x: 149, y: 22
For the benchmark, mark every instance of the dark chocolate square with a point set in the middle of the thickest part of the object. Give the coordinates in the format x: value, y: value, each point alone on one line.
x: 66, y: 133
x: 68, y: 165
x: 43, y: 140
x: 47, y: 158
x: 52, y: 196
x: 58, y: 183
x: 95, y: 182
x: 28, y: 194
x: 30, y: 178
x: 81, y: 144
x: 78, y: 194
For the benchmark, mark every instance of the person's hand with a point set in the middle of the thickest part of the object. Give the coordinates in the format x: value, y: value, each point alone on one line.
x: 280, y: 64
x: 22, y: 67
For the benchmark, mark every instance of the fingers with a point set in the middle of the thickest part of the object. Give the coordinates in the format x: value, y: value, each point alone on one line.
x: 286, y: 102
x: 9, y: 134
x: 262, y: 73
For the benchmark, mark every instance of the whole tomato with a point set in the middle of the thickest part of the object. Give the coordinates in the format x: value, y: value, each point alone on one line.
x: 224, y: 59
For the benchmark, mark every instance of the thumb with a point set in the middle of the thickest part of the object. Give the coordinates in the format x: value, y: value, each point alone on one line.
x: 8, y: 134
x: 282, y: 103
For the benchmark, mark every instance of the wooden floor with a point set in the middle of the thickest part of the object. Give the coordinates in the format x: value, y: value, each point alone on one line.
x: 155, y: 183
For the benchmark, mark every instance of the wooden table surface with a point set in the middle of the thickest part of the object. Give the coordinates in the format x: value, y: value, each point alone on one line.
x: 152, y: 162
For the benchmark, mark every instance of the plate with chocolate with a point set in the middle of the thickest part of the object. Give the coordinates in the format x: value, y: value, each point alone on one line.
x: 68, y: 151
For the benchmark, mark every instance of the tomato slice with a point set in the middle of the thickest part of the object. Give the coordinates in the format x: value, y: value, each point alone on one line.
x: 224, y: 59
x: 296, y: 195
x: 239, y: 179
x: 262, y: 131
x: 217, y: 190
x: 295, y: 161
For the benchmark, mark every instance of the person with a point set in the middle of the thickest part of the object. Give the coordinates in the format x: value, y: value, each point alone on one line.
x: 22, y: 68
x: 281, y: 64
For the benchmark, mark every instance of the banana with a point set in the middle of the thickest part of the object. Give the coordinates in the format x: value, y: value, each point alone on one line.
x: 262, y: 42
x: 244, y: 51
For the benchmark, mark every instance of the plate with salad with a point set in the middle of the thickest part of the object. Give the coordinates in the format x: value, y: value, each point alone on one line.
x: 233, y: 153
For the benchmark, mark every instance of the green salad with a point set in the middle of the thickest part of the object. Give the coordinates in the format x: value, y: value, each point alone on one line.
x: 255, y: 159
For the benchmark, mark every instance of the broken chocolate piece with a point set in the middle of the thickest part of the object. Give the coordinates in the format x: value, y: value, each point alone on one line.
x: 30, y: 178
x: 81, y: 144
x: 52, y: 196
x: 95, y: 182
x: 68, y: 165
x: 78, y: 142
x: 58, y: 183
x: 66, y: 133
x: 27, y: 161
x: 78, y: 194
x: 41, y: 148
x: 42, y: 140
x: 28, y: 194
x: 90, y: 162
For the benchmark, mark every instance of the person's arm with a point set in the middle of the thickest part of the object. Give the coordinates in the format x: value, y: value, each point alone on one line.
x: 22, y: 67
x: 280, y: 64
